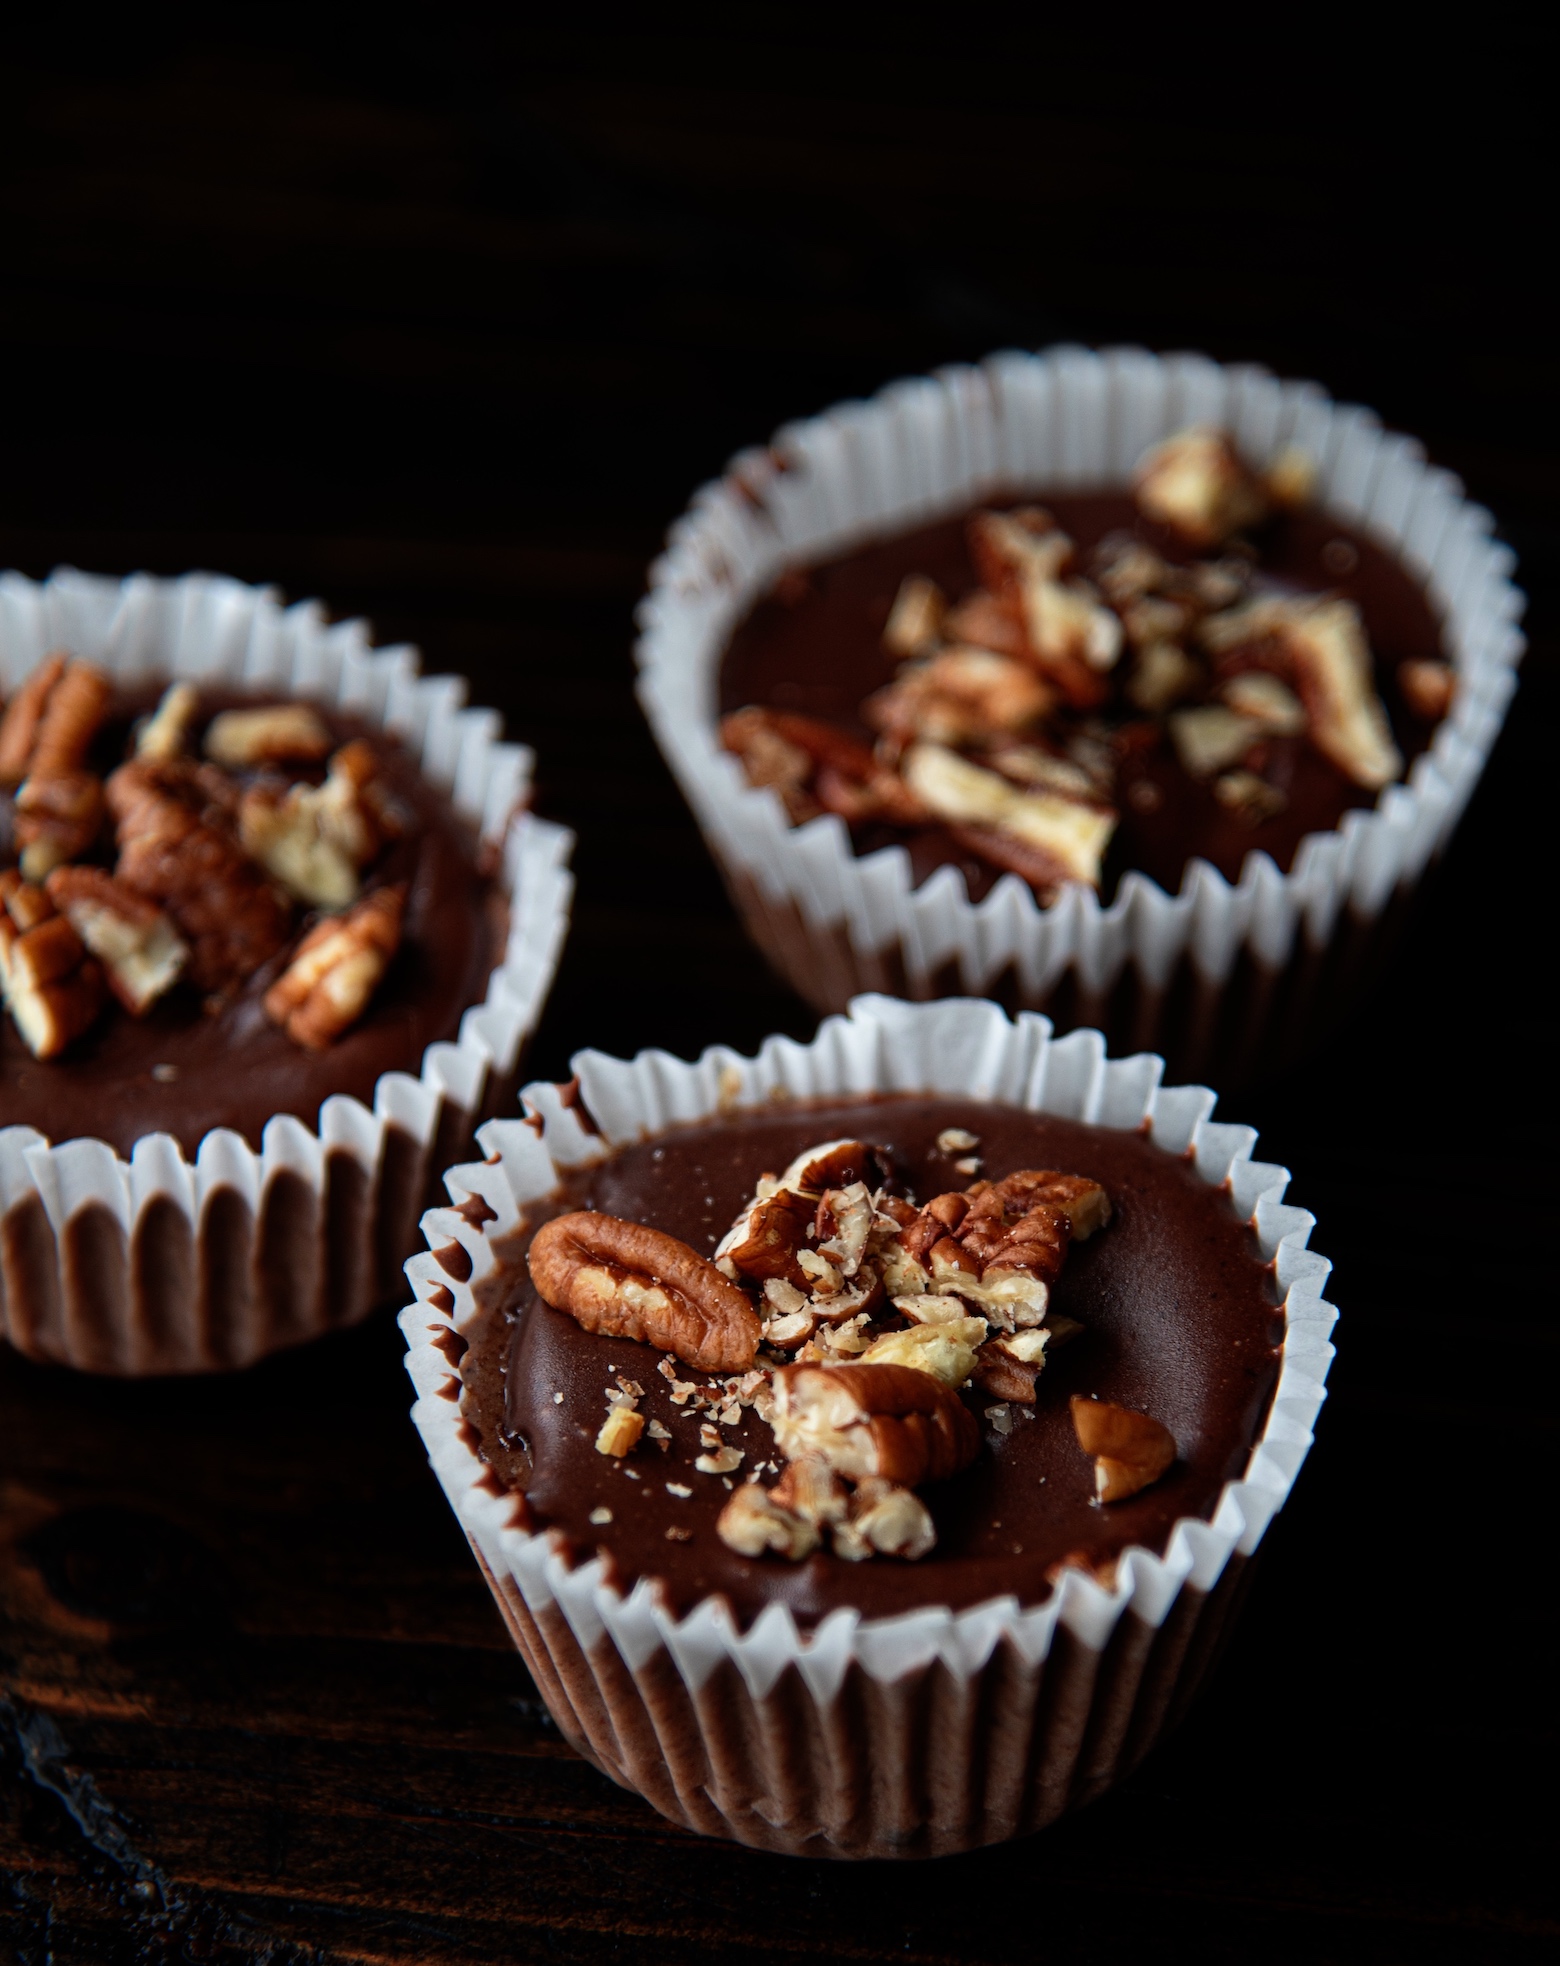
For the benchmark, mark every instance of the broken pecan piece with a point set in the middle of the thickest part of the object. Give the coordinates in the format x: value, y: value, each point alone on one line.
x: 753, y: 1521
x: 337, y: 967
x: 1131, y: 1450
x: 52, y: 987
x: 1064, y: 838
x: 1195, y: 483
x: 1008, y: 1365
x: 49, y: 724
x: 174, y: 850
x: 315, y: 838
x: 884, y: 1520
x: 846, y: 778
x: 271, y: 734
x: 165, y: 734
x: 887, y: 1420
x: 960, y: 696
x: 136, y: 943
x: 628, y: 1281
x: 58, y: 816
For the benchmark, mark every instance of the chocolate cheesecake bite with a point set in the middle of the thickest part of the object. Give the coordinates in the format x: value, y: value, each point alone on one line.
x: 1079, y: 685
x: 866, y: 1471
x: 274, y: 923
x: 1141, y: 691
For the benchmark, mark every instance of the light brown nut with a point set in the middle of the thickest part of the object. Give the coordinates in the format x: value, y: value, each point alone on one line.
x: 885, y: 1520
x: 810, y: 1488
x: 24, y: 712
x: 962, y: 695
x: 1320, y: 646
x: 1211, y: 737
x: 843, y: 1224
x: 1084, y: 1204
x: 174, y: 849
x: 846, y: 777
x: 315, y: 838
x: 53, y: 989
x: 1428, y: 688
x: 1275, y: 710
x: 1005, y: 546
x: 767, y: 1237
x: 165, y: 734
x: 1070, y: 835
x: 138, y: 946
x: 337, y: 968
x: 1131, y: 1450
x: 916, y: 616
x: 59, y: 815
x: 945, y: 1350
x: 985, y: 620
x: 628, y: 1281
x: 753, y: 1522
x: 50, y: 723
x: 833, y: 1164
x: 1008, y: 1365
x: 271, y: 734
x: 1195, y: 483
x: 1290, y: 480
x: 1161, y: 676
x: 620, y: 1431
x: 887, y: 1420
x: 772, y: 761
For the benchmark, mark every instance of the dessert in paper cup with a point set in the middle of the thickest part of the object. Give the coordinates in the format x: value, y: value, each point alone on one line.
x: 274, y: 926
x: 1142, y: 691
x: 865, y: 1442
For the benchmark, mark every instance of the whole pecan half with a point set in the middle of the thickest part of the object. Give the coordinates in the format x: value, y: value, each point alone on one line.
x: 886, y: 1420
x: 625, y: 1280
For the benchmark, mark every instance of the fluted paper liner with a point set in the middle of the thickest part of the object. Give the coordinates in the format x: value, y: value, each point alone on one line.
x: 160, y: 1264
x: 1219, y: 974
x: 922, y: 1734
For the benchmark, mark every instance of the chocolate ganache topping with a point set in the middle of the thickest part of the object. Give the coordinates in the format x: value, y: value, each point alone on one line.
x: 1042, y: 1342
x: 1093, y: 682
x: 293, y: 910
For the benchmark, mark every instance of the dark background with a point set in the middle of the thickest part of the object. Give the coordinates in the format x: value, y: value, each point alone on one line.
x: 443, y: 325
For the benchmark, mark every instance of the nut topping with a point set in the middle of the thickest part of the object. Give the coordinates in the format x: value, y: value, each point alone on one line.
x: 165, y: 734
x: 274, y: 734
x: 51, y: 986
x: 1130, y: 1450
x: 753, y: 1522
x: 315, y: 838
x: 336, y: 969
x: 916, y: 617
x: 628, y: 1281
x: 1195, y: 483
x: 49, y: 724
x: 59, y: 815
x: 887, y: 1420
x: 1064, y: 835
x: 885, y: 1520
x: 141, y: 951
x: 1428, y: 688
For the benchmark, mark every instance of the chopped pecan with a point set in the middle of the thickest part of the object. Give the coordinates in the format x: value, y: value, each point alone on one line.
x: 887, y: 1420
x: 1251, y: 798
x: 1319, y: 646
x: 1427, y: 688
x: 316, y: 838
x: 1065, y: 838
x: 59, y: 815
x: 1195, y: 483
x: 752, y: 1522
x: 1257, y: 694
x: 1007, y: 1365
x: 49, y: 725
x: 1210, y: 737
x: 1161, y: 676
x: 271, y: 734
x: 846, y: 778
x: 811, y: 1489
x: 842, y: 1225
x: 915, y: 619
x: 165, y: 734
x: 1290, y: 480
x: 772, y: 761
x: 1067, y: 634
x: 1084, y: 1203
x: 1008, y: 545
x: 620, y: 1431
x: 766, y: 1239
x: 960, y: 695
x: 335, y: 970
x: 884, y: 1520
x: 52, y: 987
x: 945, y: 1350
x: 628, y: 1281
x: 985, y: 620
x: 1130, y: 1450
x: 138, y: 946
x: 174, y: 850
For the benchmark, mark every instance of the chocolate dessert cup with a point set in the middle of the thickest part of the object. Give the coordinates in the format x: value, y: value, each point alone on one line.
x: 218, y: 1124
x: 1231, y: 919
x: 961, y: 1667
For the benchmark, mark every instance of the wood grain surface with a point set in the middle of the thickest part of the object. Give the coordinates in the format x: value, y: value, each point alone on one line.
x: 443, y: 326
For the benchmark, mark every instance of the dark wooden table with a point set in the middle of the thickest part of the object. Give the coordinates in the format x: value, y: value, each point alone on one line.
x: 444, y: 328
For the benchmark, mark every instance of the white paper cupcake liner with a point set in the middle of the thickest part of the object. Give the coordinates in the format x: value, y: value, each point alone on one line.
x: 160, y: 1264
x: 834, y: 923
x: 934, y: 1731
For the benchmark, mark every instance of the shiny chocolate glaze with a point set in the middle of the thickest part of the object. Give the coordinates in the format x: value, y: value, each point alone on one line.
x: 814, y: 644
x: 1181, y: 1321
x: 183, y: 1071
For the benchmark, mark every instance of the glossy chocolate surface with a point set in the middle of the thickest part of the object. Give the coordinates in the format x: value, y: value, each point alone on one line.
x: 815, y: 645
x: 1181, y: 1321
x: 182, y: 1071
